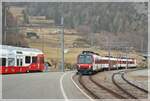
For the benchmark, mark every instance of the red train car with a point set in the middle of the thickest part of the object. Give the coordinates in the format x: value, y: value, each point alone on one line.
x: 20, y: 60
x: 88, y: 62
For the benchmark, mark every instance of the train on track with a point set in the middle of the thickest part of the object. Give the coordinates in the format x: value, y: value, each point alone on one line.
x: 20, y: 60
x: 88, y: 62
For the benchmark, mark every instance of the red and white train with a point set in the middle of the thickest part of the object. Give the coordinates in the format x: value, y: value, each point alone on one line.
x: 20, y: 60
x: 88, y: 62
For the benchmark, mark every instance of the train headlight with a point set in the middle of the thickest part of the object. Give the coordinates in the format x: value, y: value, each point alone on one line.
x: 79, y: 66
x: 89, y: 66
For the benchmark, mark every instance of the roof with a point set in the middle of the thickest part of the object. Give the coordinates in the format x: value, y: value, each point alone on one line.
x: 5, y: 49
x: 19, y: 48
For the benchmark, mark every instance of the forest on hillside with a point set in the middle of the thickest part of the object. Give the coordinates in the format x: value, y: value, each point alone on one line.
x: 100, y: 22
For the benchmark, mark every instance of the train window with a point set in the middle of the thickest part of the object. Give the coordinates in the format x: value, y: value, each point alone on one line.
x: 105, y: 61
x: 81, y: 59
x: 2, y: 61
x: 20, y: 62
x: 131, y: 62
x: 34, y: 59
x: 88, y: 59
x: 27, y: 59
x: 96, y: 60
x: 17, y: 62
x: 101, y: 61
x: 11, y: 62
x: 125, y: 62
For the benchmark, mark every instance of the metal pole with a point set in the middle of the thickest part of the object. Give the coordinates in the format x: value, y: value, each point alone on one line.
x: 5, y: 26
x: 109, y: 58
x: 142, y: 46
x: 42, y: 40
x: 126, y: 59
x: 92, y: 39
x: 62, y: 44
x: 117, y: 59
x: 108, y: 52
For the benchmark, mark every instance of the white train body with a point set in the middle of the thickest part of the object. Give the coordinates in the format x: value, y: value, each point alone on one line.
x: 18, y: 59
x: 90, y: 61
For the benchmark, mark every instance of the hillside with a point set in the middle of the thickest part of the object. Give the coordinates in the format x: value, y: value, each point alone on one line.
x: 124, y: 22
x: 87, y: 26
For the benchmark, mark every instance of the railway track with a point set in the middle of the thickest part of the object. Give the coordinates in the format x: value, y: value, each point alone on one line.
x: 105, y: 92
x: 118, y: 87
x: 80, y: 79
x: 132, y: 84
x: 130, y: 89
x: 108, y: 90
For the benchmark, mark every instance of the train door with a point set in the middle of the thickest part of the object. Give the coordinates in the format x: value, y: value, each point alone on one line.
x: 41, y: 62
x: 19, y: 59
x: 3, y: 65
x: 19, y: 63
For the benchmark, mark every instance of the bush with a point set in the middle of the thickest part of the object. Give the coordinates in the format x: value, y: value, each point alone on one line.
x: 32, y: 34
x: 54, y: 62
x: 68, y: 66
x: 143, y: 64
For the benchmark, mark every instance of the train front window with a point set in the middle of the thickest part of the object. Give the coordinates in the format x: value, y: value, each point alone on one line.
x: 27, y: 59
x: 85, y: 59
x: 34, y: 59
x: 2, y: 61
x: 81, y: 59
x: 11, y: 62
x: 88, y: 59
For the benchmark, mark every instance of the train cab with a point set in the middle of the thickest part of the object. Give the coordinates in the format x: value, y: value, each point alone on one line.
x: 20, y: 60
x: 85, y: 62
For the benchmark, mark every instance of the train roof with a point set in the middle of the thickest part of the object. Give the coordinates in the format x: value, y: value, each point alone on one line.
x: 89, y: 52
x: 5, y: 49
x: 105, y: 57
x: 19, y: 48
